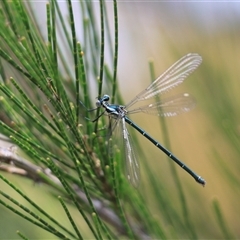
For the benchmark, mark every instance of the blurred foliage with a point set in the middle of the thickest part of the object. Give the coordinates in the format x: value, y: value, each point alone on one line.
x: 45, y: 72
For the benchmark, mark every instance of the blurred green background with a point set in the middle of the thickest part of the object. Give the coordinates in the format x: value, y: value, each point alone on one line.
x: 207, y: 138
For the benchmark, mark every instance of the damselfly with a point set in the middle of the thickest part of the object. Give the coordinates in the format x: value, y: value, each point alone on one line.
x: 171, y: 78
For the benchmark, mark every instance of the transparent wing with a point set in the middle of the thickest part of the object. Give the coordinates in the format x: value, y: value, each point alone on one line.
x: 168, y: 107
x: 171, y: 78
x: 132, y: 166
x: 113, y: 134
x: 113, y: 123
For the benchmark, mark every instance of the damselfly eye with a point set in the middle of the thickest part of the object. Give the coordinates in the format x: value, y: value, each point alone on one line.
x: 98, y: 103
x: 105, y: 98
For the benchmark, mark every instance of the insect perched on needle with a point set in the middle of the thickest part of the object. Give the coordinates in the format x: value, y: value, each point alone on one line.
x: 171, y: 78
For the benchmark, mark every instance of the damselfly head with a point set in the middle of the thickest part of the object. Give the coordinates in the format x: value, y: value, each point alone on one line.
x: 104, y: 98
